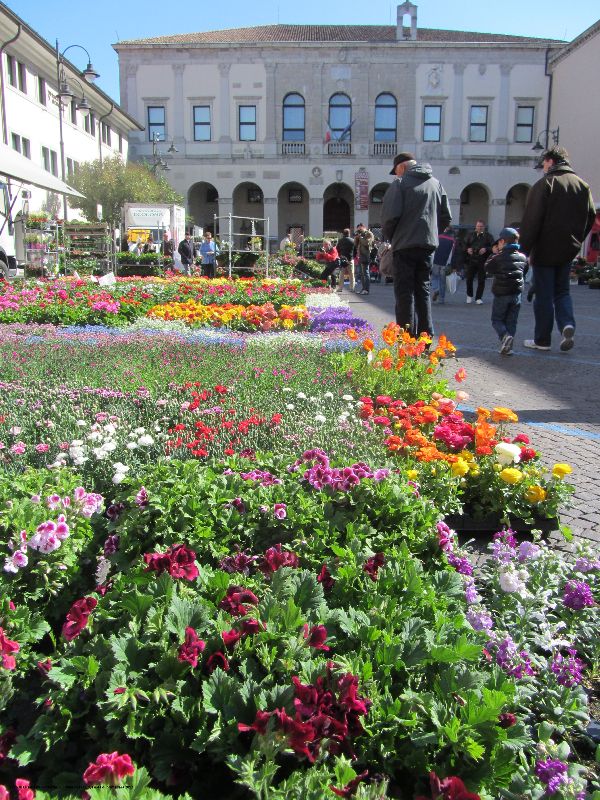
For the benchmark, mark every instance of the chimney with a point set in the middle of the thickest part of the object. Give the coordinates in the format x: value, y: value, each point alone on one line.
x: 403, y: 34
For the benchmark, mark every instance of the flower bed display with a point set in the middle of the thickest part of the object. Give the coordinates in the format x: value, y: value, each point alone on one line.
x: 227, y: 574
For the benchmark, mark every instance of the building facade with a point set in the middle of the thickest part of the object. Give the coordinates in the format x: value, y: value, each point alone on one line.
x: 300, y: 123
x: 576, y: 114
x: 29, y: 112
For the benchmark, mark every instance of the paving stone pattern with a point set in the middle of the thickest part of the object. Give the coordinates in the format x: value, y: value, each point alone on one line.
x: 556, y: 395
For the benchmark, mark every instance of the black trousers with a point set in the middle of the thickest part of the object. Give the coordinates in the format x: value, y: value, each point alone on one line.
x: 412, y: 287
x: 329, y: 272
x: 475, y: 269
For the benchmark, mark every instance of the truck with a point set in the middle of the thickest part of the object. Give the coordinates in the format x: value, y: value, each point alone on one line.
x: 19, y: 177
x: 148, y: 222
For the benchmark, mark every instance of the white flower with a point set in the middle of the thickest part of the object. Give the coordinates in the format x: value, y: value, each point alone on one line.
x: 120, y: 467
x: 146, y: 440
x: 110, y: 429
x: 370, y: 356
x: 290, y: 406
x: 76, y: 442
x: 82, y: 423
x: 286, y: 389
x: 301, y: 396
x: 507, y: 453
x: 328, y: 395
x: 320, y: 418
x: 139, y: 431
x: 100, y: 454
x: 347, y: 397
x: 119, y: 477
x: 109, y: 446
x: 512, y: 581
x: 95, y: 436
x: 132, y: 445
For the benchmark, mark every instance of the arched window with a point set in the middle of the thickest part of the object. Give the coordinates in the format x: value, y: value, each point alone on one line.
x: 385, y: 118
x: 293, y: 118
x: 340, y: 117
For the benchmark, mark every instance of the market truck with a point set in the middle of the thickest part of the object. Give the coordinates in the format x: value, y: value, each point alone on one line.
x: 148, y: 222
x: 19, y: 176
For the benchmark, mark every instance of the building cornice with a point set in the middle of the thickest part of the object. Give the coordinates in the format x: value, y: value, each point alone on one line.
x: 579, y: 41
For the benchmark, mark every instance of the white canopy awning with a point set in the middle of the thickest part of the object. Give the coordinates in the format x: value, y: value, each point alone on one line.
x: 15, y: 166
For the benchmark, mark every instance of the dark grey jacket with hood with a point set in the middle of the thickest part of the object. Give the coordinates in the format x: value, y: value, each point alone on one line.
x: 415, y: 209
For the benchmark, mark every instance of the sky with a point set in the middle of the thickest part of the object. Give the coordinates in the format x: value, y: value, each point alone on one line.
x: 97, y: 24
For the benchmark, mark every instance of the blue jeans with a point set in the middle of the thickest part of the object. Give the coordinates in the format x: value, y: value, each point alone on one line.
x: 505, y: 313
x: 365, y: 274
x: 412, y: 269
x: 552, y: 301
x: 438, y: 280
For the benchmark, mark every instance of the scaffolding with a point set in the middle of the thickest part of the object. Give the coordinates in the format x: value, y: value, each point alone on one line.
x: 244, y: 240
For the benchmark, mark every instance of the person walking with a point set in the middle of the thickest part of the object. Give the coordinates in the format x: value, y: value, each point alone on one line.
x: 186, y: 251
x: 328, y: 254
x: 508, y: 267
x: 478, y: 248
x: 345, y: 248
x: 166, y: 246
x: 209, y: 251
x: 559, y: 214
x: 442, y: 258
x: 415, y: 209
x: 363, y: 242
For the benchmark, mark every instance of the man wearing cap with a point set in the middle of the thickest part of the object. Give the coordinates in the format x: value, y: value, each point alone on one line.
x: 415, y: 209
x: 558, y: 215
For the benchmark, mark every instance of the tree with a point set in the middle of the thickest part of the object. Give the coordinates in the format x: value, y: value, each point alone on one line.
x: 111, y: 183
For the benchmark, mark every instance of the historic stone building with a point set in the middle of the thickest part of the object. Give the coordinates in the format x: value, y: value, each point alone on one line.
x: 299, y: 123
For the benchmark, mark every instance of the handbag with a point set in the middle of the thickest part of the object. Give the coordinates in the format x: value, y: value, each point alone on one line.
x: 452, y: 283
x: 386, y: 261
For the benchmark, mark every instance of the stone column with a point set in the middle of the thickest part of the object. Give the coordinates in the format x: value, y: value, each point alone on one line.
x: 272, y: 213
x: 315, y: 216
x: 131, y: 104
x: 503, y: 108
x: 497, y: 212
x: 272, y: 108
x: 458, y: 110
x: 178, y: 111
x: 224, y: 121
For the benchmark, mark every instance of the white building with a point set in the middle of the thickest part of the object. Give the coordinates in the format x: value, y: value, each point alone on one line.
x: 250, y: 112
x: 575, y: 110
x: 29, y: 115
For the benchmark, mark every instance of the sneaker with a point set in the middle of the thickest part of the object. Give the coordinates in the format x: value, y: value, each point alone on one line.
x: 506, y: 346
x: 533, y: 346
x: 567, y: 341
x: 469, y: 299
x: 479, y: 302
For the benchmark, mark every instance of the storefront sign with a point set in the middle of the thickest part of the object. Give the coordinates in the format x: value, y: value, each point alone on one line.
x: 361, y: 190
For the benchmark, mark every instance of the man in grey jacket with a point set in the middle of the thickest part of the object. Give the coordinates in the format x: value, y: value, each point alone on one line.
x: 415, y: 209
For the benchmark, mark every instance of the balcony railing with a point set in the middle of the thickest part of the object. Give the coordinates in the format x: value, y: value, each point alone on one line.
x: 384, y: 148
x: 339, y: 149
x: 292, y: 149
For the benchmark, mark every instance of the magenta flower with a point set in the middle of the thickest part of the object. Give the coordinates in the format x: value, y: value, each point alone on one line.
x: 578, y: 595
x: 280, y: 511
x: 316, y: 637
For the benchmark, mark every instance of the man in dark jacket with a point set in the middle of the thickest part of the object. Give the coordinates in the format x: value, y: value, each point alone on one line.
x: 345, y: 248
x: 186, y: 251
x: 478, y: 248
x: 559, y: 214
x: 415, y: 209
x: 507, y: 266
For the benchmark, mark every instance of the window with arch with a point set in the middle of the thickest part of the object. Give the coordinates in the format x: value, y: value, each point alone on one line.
x: 385, y: 117
x: 340, y: 117
x: 293, y: 118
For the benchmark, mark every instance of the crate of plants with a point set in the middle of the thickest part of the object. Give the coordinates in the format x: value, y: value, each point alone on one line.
x: 144, y: 264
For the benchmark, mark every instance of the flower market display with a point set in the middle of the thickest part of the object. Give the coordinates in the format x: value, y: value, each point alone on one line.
x: 229, y: 569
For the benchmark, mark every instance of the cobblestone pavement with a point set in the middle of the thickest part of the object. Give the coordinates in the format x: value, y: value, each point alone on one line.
x: 556, y: 395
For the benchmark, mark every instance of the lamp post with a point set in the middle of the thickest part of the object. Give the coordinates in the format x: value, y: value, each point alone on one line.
x: 555, y: 139
x: 158, y: 162
x: 65, y: 95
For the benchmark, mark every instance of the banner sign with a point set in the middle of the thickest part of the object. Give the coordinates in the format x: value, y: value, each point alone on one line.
x: 361, y: 190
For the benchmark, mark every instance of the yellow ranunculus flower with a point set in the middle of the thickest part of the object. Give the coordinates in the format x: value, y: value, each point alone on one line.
x: 511, y: 475
x: 460, y: 468
x: 560, y: 470
x: 474, y: 471
x: 535, y: 494
x: 412, y: 474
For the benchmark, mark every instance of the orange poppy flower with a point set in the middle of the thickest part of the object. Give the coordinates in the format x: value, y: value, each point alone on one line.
x: 352, y: 334
x: 368, y: 345
x: 501, y: 414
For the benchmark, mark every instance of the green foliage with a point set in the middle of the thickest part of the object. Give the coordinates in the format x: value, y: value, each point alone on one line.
x: 111, y: 183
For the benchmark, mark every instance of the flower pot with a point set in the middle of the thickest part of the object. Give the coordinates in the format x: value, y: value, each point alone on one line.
x: 490, y: 524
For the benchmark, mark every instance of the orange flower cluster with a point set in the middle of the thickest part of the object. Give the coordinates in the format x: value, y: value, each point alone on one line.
x: 249, y: 318
x: 407, y: 347
x: 435, y: 431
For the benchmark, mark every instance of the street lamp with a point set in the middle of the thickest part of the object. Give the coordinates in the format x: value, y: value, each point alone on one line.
x: 65, y: 95
x: 158, y: 162
x: 555, y: 138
